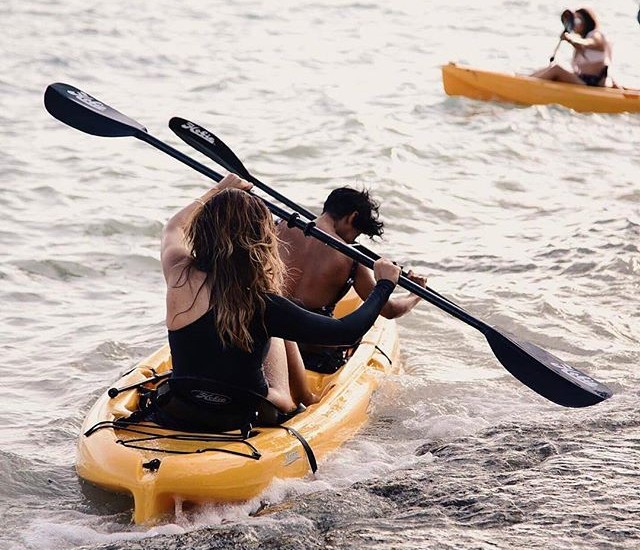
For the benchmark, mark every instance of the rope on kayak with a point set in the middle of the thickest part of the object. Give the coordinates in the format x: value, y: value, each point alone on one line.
x: 383, y: 353
x: 149, y: 436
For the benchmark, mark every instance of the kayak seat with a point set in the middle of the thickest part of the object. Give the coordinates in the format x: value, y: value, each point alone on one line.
x: 199, y: 405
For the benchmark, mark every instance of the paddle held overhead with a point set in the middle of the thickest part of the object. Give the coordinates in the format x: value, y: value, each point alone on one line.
x: 542, y: 372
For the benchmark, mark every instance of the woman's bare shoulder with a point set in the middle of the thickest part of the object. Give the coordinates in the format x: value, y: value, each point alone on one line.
x: 187, y: 298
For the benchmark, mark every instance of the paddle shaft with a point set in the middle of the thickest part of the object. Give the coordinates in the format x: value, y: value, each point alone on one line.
x: 544, y: 373
x: 567, y: 23
x: 276, y: 195
x: 213, y: 147
x: 553, y: 56
x: 310, y: 229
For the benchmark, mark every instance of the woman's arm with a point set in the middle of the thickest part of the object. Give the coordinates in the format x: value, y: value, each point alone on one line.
x: 285, y: 319
x: 173, y: 248
x: 594, y: 41
x: 396, y: 306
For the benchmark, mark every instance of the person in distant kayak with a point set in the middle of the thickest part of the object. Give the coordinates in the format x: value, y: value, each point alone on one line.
x: 226, y: 316
x: 319, y: 276
x: 591, y: 56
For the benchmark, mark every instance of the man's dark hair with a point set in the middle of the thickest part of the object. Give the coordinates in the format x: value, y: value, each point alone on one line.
x: 344, y: 201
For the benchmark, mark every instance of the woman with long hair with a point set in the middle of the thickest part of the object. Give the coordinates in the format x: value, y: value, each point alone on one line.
x: 226, y: 317
x: 591, y: 56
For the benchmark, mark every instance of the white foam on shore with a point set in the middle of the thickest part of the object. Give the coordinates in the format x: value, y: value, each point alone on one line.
x: 83, y: 530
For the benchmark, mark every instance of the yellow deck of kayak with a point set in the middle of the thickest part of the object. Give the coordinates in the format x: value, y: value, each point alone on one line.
x: 214, y: 476
x: 487, y: 86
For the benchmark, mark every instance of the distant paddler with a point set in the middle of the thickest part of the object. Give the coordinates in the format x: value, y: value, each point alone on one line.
x: 592, y: 52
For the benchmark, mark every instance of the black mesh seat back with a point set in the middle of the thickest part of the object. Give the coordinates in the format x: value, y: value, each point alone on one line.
x: 228, y: 400
x: 214, y: 395
x: 194, y: 404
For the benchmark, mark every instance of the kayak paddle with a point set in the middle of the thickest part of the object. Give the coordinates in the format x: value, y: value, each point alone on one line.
x: 527, y: 362
x: 567, y: 22
x: 536, y: 368
x: 213, y: 147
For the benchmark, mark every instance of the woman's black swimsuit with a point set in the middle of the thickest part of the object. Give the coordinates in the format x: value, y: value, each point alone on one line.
x: 594, y: 79
x: 197, y: 350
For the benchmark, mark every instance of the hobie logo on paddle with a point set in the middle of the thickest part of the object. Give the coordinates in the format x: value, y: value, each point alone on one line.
x: 200, y: 132
x: 210, y: 397
x: 575, y: 373
x: 87, y: 100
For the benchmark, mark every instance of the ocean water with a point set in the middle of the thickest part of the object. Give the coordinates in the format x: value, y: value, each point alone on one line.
x: 528, y: 217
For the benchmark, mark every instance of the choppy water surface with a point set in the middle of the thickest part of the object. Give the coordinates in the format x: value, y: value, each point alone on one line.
x: 529, y: 217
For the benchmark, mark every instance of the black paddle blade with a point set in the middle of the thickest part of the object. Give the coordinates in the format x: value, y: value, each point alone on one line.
x: 87, y: 114
x: 544, y: 373
x: 208, y: 144
x: 567, y: 20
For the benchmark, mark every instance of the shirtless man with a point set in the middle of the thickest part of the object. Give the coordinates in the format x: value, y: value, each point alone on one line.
x: 320, y: 276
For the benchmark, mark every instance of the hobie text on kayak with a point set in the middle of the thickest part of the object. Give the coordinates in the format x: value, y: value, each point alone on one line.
x: 210, y: 397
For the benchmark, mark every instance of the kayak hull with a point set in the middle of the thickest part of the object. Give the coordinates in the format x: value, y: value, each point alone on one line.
x: 460, y: 80
x: 209, y: 472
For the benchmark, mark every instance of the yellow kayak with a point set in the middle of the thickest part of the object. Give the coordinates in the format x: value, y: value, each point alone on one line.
x: 487, y: 86
x: 160, y: 467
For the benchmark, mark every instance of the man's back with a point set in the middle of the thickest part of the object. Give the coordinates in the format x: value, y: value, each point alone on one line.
x: 317, y: 274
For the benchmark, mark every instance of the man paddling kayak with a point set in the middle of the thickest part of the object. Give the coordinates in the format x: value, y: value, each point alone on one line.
x: 591, y: 57
x: 320, y: 276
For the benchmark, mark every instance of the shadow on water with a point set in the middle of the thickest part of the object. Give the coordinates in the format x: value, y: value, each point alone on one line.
x: 100, y: 502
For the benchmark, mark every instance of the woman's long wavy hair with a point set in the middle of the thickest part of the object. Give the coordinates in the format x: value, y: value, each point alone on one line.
x: 233, y: 240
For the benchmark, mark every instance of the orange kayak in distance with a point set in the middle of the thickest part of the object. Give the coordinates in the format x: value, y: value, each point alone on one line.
x: 460, y: 80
